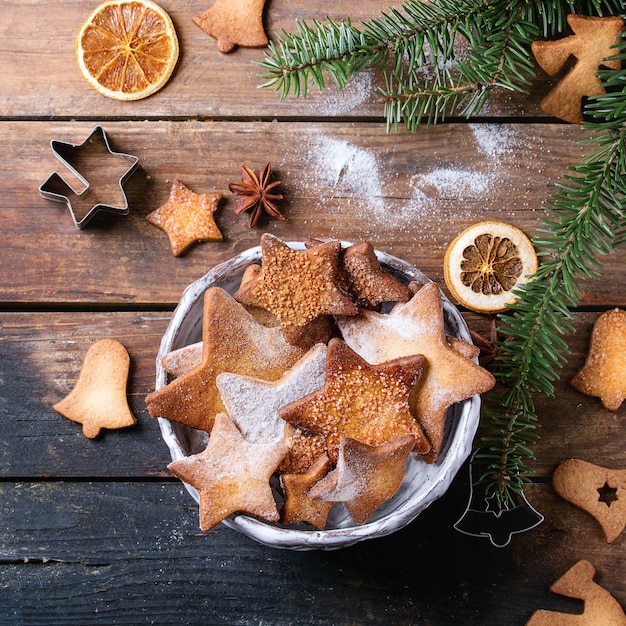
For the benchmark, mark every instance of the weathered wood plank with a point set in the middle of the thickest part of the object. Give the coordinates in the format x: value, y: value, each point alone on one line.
x: 408, y: 194
x: 41, y: 355
x: 76, y: 553
x: 41, y: 78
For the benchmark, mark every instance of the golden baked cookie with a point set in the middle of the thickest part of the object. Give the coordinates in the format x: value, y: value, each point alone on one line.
x: 98, y: 399
x: 231, y: 475
x: 417, y: 327
x: 233, y: 341
x: 604, y: 372
x: 366, y: 476
x: 297, y: 286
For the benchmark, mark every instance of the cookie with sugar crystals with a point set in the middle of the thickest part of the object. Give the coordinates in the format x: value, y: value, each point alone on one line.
x: 231, y: 475
x: 297, y: 286
x: 366, y: 476
x: 98, y: 399
x: 417, y: 327
x: 366, y: 402
x: 187, y: 217
x: 604, y: 372
x: 304, y: 448
x: 232, y: 341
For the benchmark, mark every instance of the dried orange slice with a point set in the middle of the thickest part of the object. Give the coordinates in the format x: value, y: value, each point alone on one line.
x: 127, y: 49
x: 485, y: 263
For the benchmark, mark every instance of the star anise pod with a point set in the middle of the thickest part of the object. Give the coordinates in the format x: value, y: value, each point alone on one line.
x: 256, y: 194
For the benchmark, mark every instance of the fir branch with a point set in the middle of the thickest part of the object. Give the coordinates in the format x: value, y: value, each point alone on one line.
x: 585, y: 220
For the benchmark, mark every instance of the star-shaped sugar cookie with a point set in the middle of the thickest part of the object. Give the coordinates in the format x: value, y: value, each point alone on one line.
x: 232, y: 341
x: 298, y: 505
x: 253, y: 403
x: 98, y: 399
x: 187, y: 217
x: 366, y: 402
x: 297, y: 286
x: 417, y: 327
x: 231, y: 475
x: 234, y: 23
x: 604, y: 372
x: 366, y: 476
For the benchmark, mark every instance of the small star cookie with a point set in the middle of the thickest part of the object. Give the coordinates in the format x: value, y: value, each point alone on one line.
x: 297, y: 286
x: 604, y: 372
x: 233, y: 341
x: 187, y: 217
x: 417, y: 327
x: 366, y: 476
x: 366, y: 402
x: 98, y: 399
x: 234, y: 23
x: 298, y: 505
x: 231, y: 475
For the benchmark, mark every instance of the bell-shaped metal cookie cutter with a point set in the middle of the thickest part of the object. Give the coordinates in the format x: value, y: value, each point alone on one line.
x: 101, y: 171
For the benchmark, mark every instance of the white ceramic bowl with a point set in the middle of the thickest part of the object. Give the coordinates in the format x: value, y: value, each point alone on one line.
x: 423, y: 482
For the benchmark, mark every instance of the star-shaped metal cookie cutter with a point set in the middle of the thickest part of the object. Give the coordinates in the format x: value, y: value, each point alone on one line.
x: 92, y: 159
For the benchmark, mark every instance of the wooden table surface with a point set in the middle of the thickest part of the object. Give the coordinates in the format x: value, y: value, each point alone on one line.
x: 99, y: 530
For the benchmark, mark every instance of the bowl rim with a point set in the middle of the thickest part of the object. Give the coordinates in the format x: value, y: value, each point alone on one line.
x: 437, y: 476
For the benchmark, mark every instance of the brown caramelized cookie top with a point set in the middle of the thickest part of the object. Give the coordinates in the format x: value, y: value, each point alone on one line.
x: 366, y: 402
x: 297, y: 286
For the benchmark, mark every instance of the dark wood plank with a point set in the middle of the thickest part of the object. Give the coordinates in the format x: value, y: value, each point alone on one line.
x: 131, y: 553
x: 41, y: 78
x: 41, y: 355
x: 408, y: 194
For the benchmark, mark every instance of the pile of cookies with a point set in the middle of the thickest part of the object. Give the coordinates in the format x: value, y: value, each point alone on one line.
x: 323, y: 375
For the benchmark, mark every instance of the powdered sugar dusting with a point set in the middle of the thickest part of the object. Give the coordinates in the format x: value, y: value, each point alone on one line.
x: 465, y: 179
x: 335, y: 101
x: 494, y: 140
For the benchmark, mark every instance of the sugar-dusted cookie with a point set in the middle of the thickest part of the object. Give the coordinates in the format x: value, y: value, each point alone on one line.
x: 231, y: 475
x: 366, y: 476
x: 234, y: 23
x: 253, y: 403
x: 366, y: 402
x: 298, y: 505
x: 297, y: 286
x: 417, y: 327
x: 187, y: 217
x: 590, y: 45
x: 232, y: 341
x: 604, y: 372
x: 98, y: 399
x: 599, y: 491
x: 600, y: 607
x: 369, y: 284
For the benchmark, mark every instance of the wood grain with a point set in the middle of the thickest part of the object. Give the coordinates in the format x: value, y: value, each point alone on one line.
x: 408, y: 194
x: 41, y: 77
x: 41, y: 355
x: 132, y: 553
